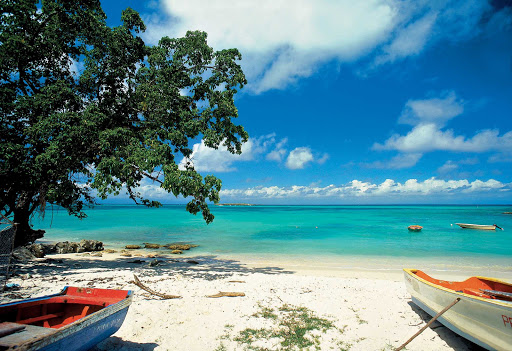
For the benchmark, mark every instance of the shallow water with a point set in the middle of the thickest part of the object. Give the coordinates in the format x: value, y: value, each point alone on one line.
x: 296, y: 230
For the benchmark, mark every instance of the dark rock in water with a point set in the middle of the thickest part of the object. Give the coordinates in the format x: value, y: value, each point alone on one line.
x: 180, y: 246
x: 40, y: 250
x: 22, y: 254
x: 151, y: 246
x: 132, y: 247
x: 177, y: 252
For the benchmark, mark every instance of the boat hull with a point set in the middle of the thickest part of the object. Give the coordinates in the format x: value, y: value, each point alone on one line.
x: 483, y: 321
x: 476, y: 226
x: 80, y: 335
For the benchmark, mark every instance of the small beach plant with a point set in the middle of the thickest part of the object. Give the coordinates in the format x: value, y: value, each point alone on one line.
x: 88, y: 110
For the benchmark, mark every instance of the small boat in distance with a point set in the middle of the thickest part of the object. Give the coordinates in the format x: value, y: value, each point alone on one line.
x: 479, y: 226
x: 75, y: 319
x: 415, y: 228
x: 483, y: 313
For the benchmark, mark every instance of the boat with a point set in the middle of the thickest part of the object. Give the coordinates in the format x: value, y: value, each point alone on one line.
x: 483, y: 314
x: 75, y: 319
x: 479, y: 226
x: 415, y: 228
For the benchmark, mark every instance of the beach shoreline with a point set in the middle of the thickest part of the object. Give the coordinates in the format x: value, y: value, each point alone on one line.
x: 366, y: 309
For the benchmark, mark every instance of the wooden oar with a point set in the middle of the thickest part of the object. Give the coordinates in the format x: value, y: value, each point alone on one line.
x: 429, y: 323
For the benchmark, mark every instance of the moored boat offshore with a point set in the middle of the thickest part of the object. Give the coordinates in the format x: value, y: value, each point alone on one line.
x: 483, y: 314
x: 479, y: 226
x: 75, y: 319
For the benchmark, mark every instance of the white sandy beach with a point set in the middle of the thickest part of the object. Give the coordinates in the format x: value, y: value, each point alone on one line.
x: 366, y: 309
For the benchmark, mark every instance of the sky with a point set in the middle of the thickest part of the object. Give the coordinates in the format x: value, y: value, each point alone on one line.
x: 356, y: 102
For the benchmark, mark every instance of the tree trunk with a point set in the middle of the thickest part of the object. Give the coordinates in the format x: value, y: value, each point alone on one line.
x: 24, y: 233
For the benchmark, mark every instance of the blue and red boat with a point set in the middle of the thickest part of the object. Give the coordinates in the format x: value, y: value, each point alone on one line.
x: 73, y: 320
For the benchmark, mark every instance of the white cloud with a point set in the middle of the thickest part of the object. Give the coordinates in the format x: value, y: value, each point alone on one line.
x: 435, y: 110
x: 410, y: 40
x: 279, y: 151
x: 449, y: 166
x: 357, y: 188
x: 398, y: 162
x: 281, y: 40
x: 285, y: 40
x: 428, y: 137
x: 299, y: 158
x: 205, y: 159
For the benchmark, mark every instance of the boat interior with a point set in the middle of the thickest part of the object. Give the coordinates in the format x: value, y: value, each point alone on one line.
x: 58, y: 311
x: 477, y: 286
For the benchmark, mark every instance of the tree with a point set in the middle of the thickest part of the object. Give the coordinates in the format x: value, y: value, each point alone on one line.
x: 87, y: 108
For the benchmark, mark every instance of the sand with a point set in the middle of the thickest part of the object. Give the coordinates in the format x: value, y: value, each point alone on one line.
x: 355, y: 309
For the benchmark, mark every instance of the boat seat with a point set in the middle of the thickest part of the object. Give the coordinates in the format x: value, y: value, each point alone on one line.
x: 40, y: 318
x: 475, y: 292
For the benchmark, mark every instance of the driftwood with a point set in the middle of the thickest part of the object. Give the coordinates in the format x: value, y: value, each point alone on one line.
x: 137, y: 282
x: 236, y: 281
x: 228, y: 294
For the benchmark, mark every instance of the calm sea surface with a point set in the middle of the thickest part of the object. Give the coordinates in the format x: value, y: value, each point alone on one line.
x: 297, y: 230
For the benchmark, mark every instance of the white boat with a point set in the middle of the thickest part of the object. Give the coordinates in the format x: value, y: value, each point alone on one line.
x: 483, y: 314
x: 478, y: 226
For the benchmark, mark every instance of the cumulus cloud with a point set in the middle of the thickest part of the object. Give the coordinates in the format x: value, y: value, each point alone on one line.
x: 299, y: 158
x: 357, y: 188
x: 205, y: 159
x: 428, y: 137
x: 436, y: 110
x: 279, y: 151
x: 283, y: 40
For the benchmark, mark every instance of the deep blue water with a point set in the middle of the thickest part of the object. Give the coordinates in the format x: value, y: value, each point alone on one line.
x: 296, y: 230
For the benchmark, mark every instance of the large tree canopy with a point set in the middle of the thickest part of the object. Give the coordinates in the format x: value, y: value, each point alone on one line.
x: 88, y: 109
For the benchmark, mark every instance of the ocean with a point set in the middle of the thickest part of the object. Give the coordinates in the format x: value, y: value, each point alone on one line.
x: 295, y: 230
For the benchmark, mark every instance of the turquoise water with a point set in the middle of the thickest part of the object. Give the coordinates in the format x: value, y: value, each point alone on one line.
x: 296, y: 230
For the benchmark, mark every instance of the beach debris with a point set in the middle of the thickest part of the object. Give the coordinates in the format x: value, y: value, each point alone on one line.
x: 132, y: 247
x: 236, y: 281
x: 138, y: 283
x: 177, y: 252
x: 192, y: 262
x: 227, y: 294
x: 151, y: 246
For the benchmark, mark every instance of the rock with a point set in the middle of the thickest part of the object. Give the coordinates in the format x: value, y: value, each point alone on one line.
x: 154, y: 263
x: 126, y: 254
x: 109, y: 251
x: 37, y: 250
x: 132, y: 247
x: 97, y: 254
x: 90, y: 245
x: 177, y: 252
x: 22, y: 254
x: 151, y: 246
x: 180, y: 246
x: 66, y: 247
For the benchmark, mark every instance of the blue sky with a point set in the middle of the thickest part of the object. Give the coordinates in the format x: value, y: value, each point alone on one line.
x: 364, y: 102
